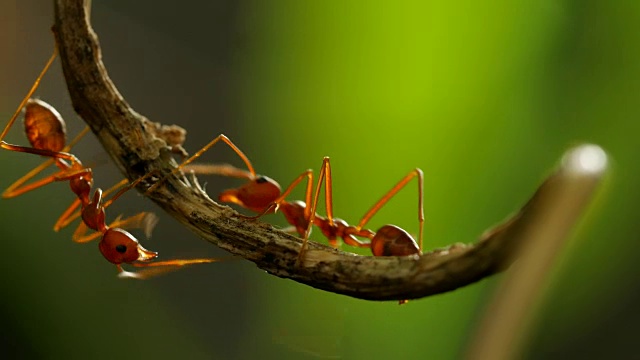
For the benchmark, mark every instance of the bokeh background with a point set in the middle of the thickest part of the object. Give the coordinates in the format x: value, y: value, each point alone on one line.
x: 483, y: 97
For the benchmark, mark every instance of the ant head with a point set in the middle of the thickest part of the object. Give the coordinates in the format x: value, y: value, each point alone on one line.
x: 255, y: 195
x: 391, y: 240
x: 118, y: 246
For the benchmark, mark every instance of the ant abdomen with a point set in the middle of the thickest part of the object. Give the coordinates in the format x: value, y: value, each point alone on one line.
x: 44, y: 126
x: 391, y: 240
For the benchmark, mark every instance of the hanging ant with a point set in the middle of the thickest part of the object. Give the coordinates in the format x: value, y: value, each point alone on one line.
x: 46, y: 131
x: 264, y: 195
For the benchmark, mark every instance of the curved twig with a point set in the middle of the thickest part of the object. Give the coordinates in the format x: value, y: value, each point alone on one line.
x: 133, y: 145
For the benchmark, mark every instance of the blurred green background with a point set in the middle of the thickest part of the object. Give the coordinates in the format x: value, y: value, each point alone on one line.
x: 484, y: 98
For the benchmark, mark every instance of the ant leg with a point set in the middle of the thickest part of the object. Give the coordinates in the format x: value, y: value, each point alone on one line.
x: 33, y: 89
x: 144, y: 220
x: 220, y: 137
x: 156, y: 268
x: 275, y: 204
x: 70, y: 174
x: 68, y: 215
x: 402, y: 183
x: 126, y: 188
x: 76, y: 139
x: 79, y: 234
x: 226, y: 140
x: 310, y: 212
x: 58, y: 155
x: 63, y: 175
x: 219, y: 169
x: 17, y: 187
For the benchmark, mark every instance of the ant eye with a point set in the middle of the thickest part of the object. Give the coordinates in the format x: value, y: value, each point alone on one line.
x: 261, y: 179
x: 121, y: 249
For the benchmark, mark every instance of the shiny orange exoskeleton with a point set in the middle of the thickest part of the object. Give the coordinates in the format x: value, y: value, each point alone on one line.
x: 45, y: 130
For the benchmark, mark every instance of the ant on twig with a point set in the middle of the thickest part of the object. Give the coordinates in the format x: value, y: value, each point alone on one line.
x: 264, y: 195
x: 46, y: 131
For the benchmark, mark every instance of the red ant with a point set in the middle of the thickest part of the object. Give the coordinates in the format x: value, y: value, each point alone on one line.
x: 264, y: 195
x: 46, y: 132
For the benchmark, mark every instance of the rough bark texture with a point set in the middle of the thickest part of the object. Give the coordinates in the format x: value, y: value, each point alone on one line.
x: 137, y: 147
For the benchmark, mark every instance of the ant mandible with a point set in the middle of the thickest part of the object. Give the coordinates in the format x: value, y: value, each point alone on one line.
x: 264, y: 195
x: 46, y: 131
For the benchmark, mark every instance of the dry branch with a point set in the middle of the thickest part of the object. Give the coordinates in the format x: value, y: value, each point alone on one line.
x: 133, y: 145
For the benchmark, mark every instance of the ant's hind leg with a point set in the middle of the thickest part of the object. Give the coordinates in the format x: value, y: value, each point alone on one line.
x: 391, y: 193
x: 156, y: 268
x: 185, y: 164
x: 310, y: 211
x: 219, y: 169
